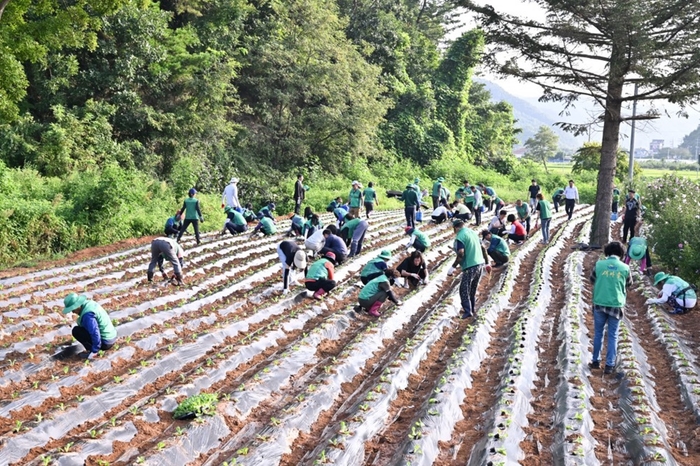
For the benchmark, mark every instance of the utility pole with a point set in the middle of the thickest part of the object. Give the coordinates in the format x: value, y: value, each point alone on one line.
x: 634, y: 114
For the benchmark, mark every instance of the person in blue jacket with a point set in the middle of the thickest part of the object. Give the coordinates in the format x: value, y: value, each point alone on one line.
x: 94, y: 329
x: 335, y: 244
x: 267, y: 212
x: 172, y: 225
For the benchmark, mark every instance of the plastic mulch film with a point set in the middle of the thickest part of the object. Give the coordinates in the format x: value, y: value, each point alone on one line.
x: 201, y: 438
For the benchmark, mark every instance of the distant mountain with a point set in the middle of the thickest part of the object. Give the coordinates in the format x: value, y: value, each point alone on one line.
x: 530, y: 118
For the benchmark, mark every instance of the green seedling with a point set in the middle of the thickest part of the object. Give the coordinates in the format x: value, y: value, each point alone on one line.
x: 46, y: 460
x: 274, y: 421
x: 113, y: 421
x: 97, y: 389
x: 140, y: 460
x: 67, y: 447
x: 80, y: 398
x: 39, y: 417
x: 61, y: 407
x: 117, y: 379
x: 66, y: 369
x: 134, y: 410
x: 160, y: 446
x: 242, y: 451
x: 203, y: 404
x: 18, y: 426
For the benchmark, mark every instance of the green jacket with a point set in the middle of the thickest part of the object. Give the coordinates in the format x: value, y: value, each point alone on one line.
x: 268, y: 226
x: 680, y: 286
x: 370, y: 195
x: 410, y: 198
x: 437, y: 187
x: 350, y: 226
x: 318, y: 270
x: 523, y: 211
x: 421, y: 237
x: 545, y: 211
x: 371, y: 267
x: 237, y: 218
x: 104, y: 323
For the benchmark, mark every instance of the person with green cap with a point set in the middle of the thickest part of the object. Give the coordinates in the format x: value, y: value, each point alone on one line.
x: 557, y: 198
x: 411, y: 203
x: 373, y: 295
x: 355, y: 198
x: 437, y: 190
x: 680, y: 294
x: 173, y: 224
x: 166, y: 249
x: 235, y: 222
x: 610, y: 277
x: 472, y: 258
x: 419, y: 240
x: 375, y: 267
x: 193, y: 215
x: 416, y: 186
x: 638, y: 250
x: 545, y: 217
x: 371, y: 198
x: 497, y: 248
x: 94, y: 329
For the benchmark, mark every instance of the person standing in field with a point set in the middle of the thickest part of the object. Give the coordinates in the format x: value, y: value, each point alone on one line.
x: 631, y: 213
x: 437, y: 190
x: 411, y: 203
x: 355, y: 199
x: 523, y: 212
x: 611, y: 278
x: 545, y: 217
x: 571, y: 198
x: 193, y: 215
x: 533, y: 190
x: 371, y: 199
x: 229, y: 198
x: 615, y: 199
x: 478, y: 204
x: 472, y: 259
x: 299, y: 193
x: 94, y: 329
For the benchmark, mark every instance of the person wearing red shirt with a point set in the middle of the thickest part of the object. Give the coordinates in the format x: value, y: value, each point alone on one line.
x: 517, y: 231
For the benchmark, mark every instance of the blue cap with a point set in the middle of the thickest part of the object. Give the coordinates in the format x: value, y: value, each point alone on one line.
x: 192, y: 192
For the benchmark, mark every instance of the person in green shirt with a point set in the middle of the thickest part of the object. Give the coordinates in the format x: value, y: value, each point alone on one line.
x: 497, y: 248
x: 375, y: 267
x: 437, y: 191
x: 374, y: 293
x: 411, y: 203
x: 557, y: 198
x: 94, y: 329
x: 235, y: 222
x: 610, y: 277
x: 371, y: 198
x: 680, y: 294
x: 266, y: 226
x: 172, y: 225
x: 419, y: 240
x: 355, y: 198
x: 523, y: 211
x: 193, y: 215
x: 545, y: 217
x: 638, y: 250
x: 311, y: 226
x: 615, y: 199
x: 471, y: 257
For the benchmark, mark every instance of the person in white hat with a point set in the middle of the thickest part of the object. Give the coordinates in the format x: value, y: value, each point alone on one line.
x: 292, y: 258
x: 230, y: 195
x: 355, y: 199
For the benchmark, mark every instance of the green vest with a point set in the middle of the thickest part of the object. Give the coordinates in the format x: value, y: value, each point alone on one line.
x: 372, y: 287
x: 501, y: 246
x: 680, y: 286
x: 616, y: 195
x: 268, y: 226
x: 559, y: 192
x: 354, y: 198
x: 421, y: 237
x: 350, y: 226
x: 437, y: 186
x: 238, y: 219
x: 610, y: 282
x: 370, y: 195
x: 371, y: 267
x: 318, y: 270
x: 545, y: 211
x: 472, y: 248
x: 523, y: 211
x: 107, y: 330
x: 410, y: 198
x: 191, y: 209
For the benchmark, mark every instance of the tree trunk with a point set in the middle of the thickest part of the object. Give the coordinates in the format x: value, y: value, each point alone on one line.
x: 600, y: 230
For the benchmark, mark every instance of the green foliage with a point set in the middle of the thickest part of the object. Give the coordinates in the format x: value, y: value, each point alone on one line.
x: 203, y: 404
x: 543, y: 145
x: 672, y: 204
x: 587, y: 158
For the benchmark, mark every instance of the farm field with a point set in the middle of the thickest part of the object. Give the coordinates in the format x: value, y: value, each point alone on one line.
x: 306, y: 382
x: 565, y: 169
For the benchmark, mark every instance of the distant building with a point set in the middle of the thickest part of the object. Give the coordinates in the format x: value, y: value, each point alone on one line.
x: 655, y: 146
x: 641, y: 153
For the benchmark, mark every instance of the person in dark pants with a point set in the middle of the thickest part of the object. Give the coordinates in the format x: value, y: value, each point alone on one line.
x: 414, y: 269
x: 166, y: 249
x: 517, y: 232
x: 172, y: 225
x: 370, y: 196
x: 193, y: 215
x: 319, y: 278
x: 437, y: 189
x: 471, y: 257
x: 615, y: 199
x: 571, y: 198
x: 373, y: 295
x: 556, y: 198
x: 419, y: 240
x: 375, y: 267
x: 498, y: 248
x: 411, y: 203
x: 630, y: 215
x: 532, y: 192
x: 335, y: 244
x: 523, y: 212
x: 292, y: 257
x: 235, y: 222
x: 94, y: 329
x: 299, y: 193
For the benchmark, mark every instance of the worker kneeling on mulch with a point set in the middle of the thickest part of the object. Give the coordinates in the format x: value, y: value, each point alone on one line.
x: 94, y: 329
x: 376, y: 292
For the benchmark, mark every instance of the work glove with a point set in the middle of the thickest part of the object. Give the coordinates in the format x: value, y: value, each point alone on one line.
x: 649, y: 301
x: 451, y: 270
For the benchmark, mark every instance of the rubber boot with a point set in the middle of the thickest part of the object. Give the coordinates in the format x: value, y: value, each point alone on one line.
x: 319, y: 294
x: 374, y: 309
x: 150, y: 276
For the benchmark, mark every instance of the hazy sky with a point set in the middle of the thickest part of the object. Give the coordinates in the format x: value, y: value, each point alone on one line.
x: 669, y: 127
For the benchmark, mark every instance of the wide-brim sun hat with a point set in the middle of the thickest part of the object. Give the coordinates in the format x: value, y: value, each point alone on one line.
x: 300, y: 260
x: 441, y: 179
x: 385, y: 254
x: 637, y: 252
x: 72, y: 302
x: 355, y: 183
x: 660, y: 276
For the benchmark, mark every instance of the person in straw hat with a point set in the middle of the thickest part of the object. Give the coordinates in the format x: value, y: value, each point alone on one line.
x: 94, y: 329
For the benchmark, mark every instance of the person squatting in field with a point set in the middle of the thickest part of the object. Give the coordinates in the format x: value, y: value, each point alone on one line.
x: 374, y: 293
x: 675, y: 291
x: 472, y: 259
x: 320, y: 275
x: 414, y: 270
x: 497, y: 248
x: 172, y: 225
x: 235, y: 222
x: 418, y: 240
x: 517, y: 232
x: 375, y: 267
x: 335, y: 244
x: 166, y: 249
x: 94, y: 329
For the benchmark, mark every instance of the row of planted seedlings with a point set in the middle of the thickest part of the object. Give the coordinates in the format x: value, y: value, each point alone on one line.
x: 506, y: 429
x: 681, y: 353
x: 204, y: 372
x: 147, y: 325
x: 364, y: 357
x: 27, y: 338
x: 189, y: 353
x: 439, y: 415
x: 288, y: 373
x: 574, y: 444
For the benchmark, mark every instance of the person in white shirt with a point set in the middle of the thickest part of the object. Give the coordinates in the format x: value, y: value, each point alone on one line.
x: 478, y: 203
x: 461, y: 211
x: 440, y: 214
x: 230, y: 196
x: 498, y: 224
x: 675, y: 291
x: 571, y: 196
